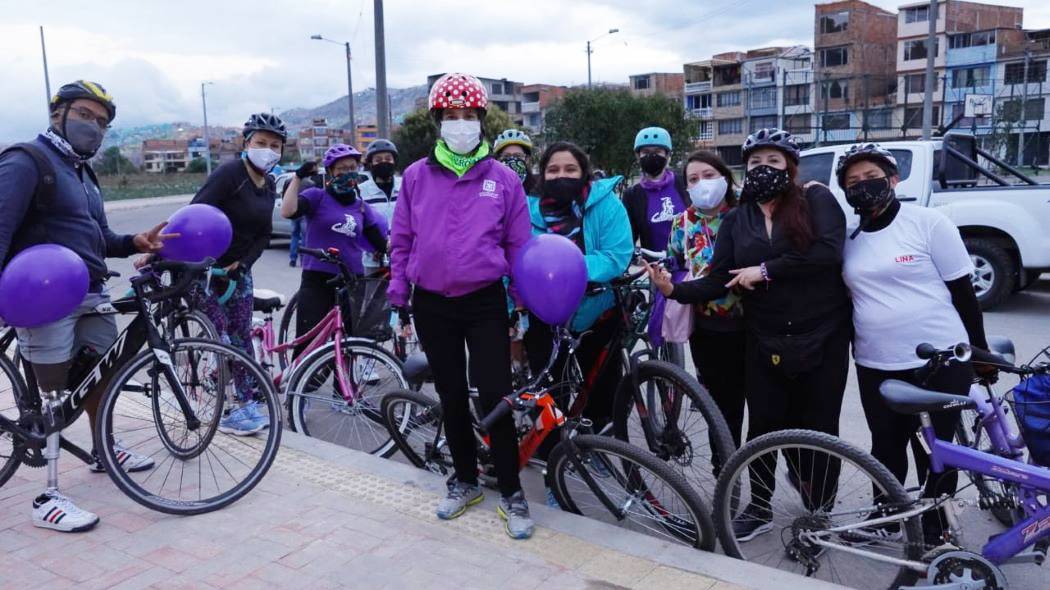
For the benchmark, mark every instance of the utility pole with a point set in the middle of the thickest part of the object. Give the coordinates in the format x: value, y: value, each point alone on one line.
x: 382, y: 98
x: 47, y: 77
x: 350, y: 97
x: 207, y: 141
x: 1024, y: 107
x: 931, y: 45
x: 589, y: 52
x: 867, y: 97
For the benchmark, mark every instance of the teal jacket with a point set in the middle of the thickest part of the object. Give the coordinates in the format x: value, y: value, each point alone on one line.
x: 607, y: 240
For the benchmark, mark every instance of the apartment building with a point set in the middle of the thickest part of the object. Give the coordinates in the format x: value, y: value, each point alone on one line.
x: 1022, y: 99
x: 503, y: 93
x: 536, y: 99
x: 666, y: 84
x: 315, y: 139
x: 165, y: 155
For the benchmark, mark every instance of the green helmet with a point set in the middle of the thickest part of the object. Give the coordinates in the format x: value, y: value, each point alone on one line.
x: 512, y: 137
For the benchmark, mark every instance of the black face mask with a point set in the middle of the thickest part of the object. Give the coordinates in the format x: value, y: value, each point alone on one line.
x: 383, y: 170
x: 764, y: 183
x: 564, y: 190
x: 652, y: 164
x: 869, y: 196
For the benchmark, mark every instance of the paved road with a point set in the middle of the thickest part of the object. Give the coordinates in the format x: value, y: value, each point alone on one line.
x: 1025, y: 318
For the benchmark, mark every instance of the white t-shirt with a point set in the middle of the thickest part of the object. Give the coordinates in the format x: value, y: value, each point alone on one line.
x: 896, y: 277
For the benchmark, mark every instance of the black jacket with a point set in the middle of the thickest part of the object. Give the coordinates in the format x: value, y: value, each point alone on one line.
x: 249, y: 208
x: 805, y: 288
x: 636, y: 202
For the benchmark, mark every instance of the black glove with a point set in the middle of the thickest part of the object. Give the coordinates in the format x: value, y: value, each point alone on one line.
x: 404, y: 314
x: 309, y: 168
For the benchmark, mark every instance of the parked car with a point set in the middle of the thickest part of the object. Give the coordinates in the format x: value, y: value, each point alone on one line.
x: 282, y: 228
x: 1001, y: 213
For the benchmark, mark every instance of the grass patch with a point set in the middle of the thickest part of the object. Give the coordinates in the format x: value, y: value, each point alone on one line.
x: 119, y: 187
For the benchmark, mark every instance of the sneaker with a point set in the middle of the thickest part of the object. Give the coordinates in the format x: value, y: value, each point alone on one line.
x: 239, y: 422
x: 515, y: 512
x: 552, y: 500
x: 752, y: 522
x: 52, y: 510
x: 256, y: 413
x: 129, y: 460
x: 460, y: 497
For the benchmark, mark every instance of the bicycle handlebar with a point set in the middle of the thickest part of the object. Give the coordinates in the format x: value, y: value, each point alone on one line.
x: 964, y: 352
x: 502, y: 409
x: 187, y: 273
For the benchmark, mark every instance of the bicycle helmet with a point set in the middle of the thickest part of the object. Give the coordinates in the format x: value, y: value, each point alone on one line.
x: 84, y: 89
x: 265, y: 122
x: 872, y: 152
x: 458, y: 91
x: 378, y: 146
x: 512, y: 137
x: 652, y: 136
x: 771, y: 138
x: 338, y: 152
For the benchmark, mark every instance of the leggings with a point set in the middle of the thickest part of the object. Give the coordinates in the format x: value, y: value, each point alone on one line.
x: 719, y: 358
x: 478, y: 322
x: 233, y: 321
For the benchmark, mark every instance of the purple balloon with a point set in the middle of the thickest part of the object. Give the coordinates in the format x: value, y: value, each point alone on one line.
x: 42, y: 284
x: 550, y: 275
x: 204, y: 232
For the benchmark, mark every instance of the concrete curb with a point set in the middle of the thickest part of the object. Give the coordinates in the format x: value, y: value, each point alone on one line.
x: 128, y: 204
x: 712, y: 565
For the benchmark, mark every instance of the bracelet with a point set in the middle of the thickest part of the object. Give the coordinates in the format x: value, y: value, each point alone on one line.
x: 765, y: 272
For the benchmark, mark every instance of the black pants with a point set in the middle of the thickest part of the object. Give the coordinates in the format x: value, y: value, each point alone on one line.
x: 720, y: 360
x: 810, y: 400
x: 316, y: 299
x: 479, y: 322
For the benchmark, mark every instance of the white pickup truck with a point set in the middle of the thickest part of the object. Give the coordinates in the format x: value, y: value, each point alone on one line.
x: 1004, y: 218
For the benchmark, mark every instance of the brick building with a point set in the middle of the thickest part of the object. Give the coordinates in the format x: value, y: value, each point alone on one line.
x: 536, y: 99
x: 315, y: 139
x: 503, y: 93
x: 165, y: 155
x: 666, y: 84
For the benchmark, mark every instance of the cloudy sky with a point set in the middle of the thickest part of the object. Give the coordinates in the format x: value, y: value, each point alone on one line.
x: 153, y: 55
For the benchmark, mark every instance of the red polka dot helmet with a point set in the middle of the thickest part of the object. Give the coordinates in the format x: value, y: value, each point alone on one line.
x: 458, y: 91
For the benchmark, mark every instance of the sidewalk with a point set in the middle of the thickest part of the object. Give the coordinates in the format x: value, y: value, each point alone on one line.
x: 326, y: 517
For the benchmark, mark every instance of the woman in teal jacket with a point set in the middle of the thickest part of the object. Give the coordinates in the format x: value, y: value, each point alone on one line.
x: 591, y: 215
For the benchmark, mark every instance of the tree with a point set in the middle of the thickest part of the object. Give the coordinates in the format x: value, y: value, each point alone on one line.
x: 603, y: 122
x: 1002, y: 140
x: 197, y: 166
x: 419, y: 131
x: 113, y: 162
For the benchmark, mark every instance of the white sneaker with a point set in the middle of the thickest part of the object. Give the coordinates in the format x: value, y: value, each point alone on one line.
x: 52, y: 510
x: 129, y: 460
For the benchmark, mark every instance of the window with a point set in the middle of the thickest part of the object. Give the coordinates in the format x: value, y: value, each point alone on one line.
x: 767, y: 122
x: 764, y: 98
x: 971, y: 77
x: 1036, y: 72
x: 797, y: 124
x: 729, y: 99
x: 836, y: 122
x: 916, y: 49
x: 916, y: 83
x: 838, y: 90
x: 698, y: 101
x: 707, y: 131
x: 796, y: 95
x: 834, y: 23
x: 764, y: 71
x: 834, y: 56
x: 977, y: 39
x: 816, y: 167
x: 1033, y: 109
x: 731, y: 155
x: 641, y: 83
x: 918, y: 14
x: 880, y: 119
x: 913, y: 117
x: 731, y: 127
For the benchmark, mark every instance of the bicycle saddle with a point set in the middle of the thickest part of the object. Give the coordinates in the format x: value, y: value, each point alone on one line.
x: 904, y: 398
x: 266, y: 301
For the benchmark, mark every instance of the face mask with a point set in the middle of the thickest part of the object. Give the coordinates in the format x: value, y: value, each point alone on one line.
x: 708, y: 193
x: 653, y: 164
x: 263, y: 159
x: 564, y: 190
x: 518, y: 165
x: 85, y: 137
x: 383, y: 170
x: 460, y: 135
x: 868, y: 196
x: 763, y: 183
x: 344, y: 187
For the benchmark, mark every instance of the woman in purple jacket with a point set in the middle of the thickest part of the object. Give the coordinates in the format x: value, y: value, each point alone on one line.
x: 459, y: 221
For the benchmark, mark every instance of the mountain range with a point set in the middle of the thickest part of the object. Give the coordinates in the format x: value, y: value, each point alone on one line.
x: 402, y: 102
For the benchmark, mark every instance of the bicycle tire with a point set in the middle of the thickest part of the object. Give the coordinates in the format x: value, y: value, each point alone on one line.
x: 12, y: 449
x: 126, y: 482
x: 728, y: 487
x: 285, y: 330
x: 409, y: 413
x: 992, y: 491
x: 318, y: 367
x: 199, y: 382
x: 560, y: 467
x: 719, y: 439
x: 181, y: 322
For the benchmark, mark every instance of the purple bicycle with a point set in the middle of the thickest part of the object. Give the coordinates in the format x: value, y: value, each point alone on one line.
x: 838, y: 514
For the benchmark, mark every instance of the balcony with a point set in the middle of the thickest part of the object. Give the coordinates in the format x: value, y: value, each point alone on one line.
x: 695, y: 87
x: 530, y: 107
x: 703, y: 112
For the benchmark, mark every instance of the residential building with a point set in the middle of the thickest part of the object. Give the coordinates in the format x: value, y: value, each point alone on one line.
x: 713, y: 92
x: 536, y: 99
x: 224, y: 146
x: 503, y: 93
x: 366, y: 134
x: 666, y: 84
x: 854, y: 71
x: 777, y: 89
x: 318, y: 137
x: 165, y: 155
x: 1022, y: 100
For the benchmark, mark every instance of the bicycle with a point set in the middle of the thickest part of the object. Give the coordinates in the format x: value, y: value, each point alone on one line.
x: 332, y: 391
x: 594, y: 475
x: 164, y: 402
x: 871, y: 528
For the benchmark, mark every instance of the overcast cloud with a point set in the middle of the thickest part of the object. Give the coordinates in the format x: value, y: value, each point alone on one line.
x: 153, y: 55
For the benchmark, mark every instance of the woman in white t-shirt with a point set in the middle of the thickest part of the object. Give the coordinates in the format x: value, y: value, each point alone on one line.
x: 909, y: 277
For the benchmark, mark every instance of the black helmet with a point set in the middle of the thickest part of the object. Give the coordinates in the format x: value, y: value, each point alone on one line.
x: 866, y: 151
x: 771, y: 138
x: 265, y: 122
x: 379, y: 146
x: 84, y: 89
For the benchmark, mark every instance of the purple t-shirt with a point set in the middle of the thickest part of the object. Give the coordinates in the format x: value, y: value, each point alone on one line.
x: 663, y: 203
x: 330, y: 224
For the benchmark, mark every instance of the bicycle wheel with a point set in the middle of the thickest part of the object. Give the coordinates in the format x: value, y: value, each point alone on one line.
x: 191, y: 323
x: 414, y: 423
x: 692, y: 436
x: 997, y: 494
x: 286, y: 331
x: 210, y: 469
x: 12, y: 389
x: 644, y: 494
x: 319, y: 402
x: 822, y: 482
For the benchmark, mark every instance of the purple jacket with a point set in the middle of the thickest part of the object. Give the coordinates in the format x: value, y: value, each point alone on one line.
x: 453, y: 236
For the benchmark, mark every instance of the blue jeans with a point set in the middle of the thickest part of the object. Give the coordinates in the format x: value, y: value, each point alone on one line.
x: 297, y: 236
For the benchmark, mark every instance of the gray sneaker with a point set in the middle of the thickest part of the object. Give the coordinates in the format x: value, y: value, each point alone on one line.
x: 460, y: 497
x: 515, y: 512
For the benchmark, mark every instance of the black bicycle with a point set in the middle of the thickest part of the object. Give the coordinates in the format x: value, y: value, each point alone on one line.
x: 165, y: 402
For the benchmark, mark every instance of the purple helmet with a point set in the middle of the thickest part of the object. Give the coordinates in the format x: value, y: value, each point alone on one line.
x: 338, y: 152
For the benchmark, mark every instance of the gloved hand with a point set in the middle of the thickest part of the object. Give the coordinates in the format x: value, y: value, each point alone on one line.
x: 309, y: 168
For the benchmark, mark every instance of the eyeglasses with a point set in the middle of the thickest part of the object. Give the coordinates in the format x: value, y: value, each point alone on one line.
x: 87, y: 115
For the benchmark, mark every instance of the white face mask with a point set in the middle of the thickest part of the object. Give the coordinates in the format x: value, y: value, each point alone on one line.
x: 460, y: 135
x: 263, y: 158
x: 708, y: 193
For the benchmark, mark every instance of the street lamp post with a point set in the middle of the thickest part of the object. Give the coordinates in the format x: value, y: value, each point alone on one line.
x: 207, y: 141
x: 47, y: 77
x: 349, y: 85
x: 590, y: 51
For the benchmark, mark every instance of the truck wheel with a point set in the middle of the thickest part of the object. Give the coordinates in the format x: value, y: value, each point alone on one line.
x: 993, y: 275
